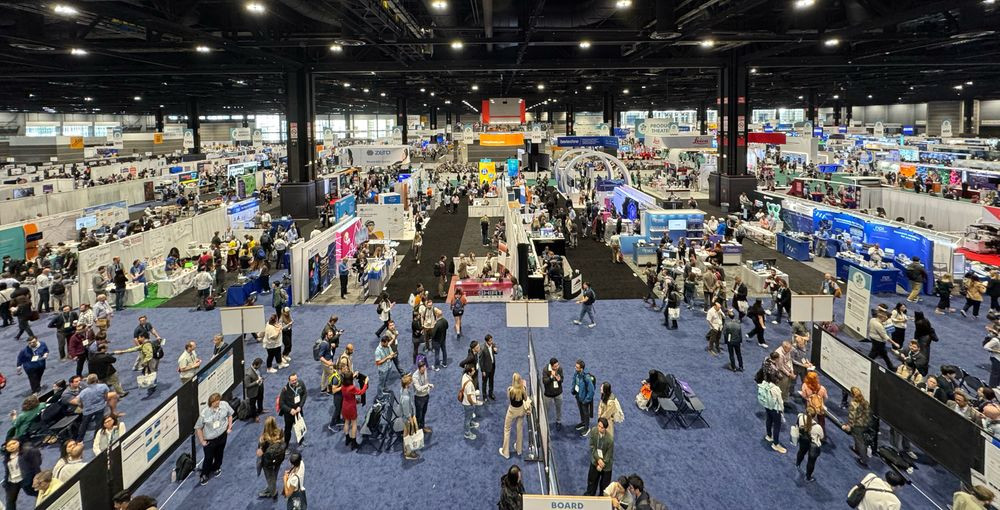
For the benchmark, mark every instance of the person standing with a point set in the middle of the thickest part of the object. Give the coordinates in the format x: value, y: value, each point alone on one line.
x: 879, y: 493
x: 858, y: 420
x: 898, y: 319
x: 334, y: 385
x: 942, y: 289
x: 32, y: 361
x: 808, y: 433
x: 253, y: 385
x: 21, y: 463
x: 552, y: 388
x: 979, y: 498
x: 290, y: 403
x: 769, y: 396
x: 441, y: 273
x: 421, y: 394
x: 344, y: 271
x: 602, y: 456
x: 732, y: 335
x: 583, y: 388
x: 439, y: 336
x: 350, y: 406
x: 383, y: 361
x: 458, y: 310
x: 418, y: 242
x: 518, y: 408
x: 203, y: 282
x: 783, y: 301
x: 327, y: 359
x: 188, y: 362
x: 271, y: 453
x: 77, y: 346
x: 487, y: 365
x: 672, y: 310
x: 714, y: 316
x: 272, y: 343
x: 586, y: 301
x: 609, y: 408
x: 511, y: 490
x: 407, y: 411
x: 286, y: 335
x: 484, y: 226
x: 973, y: 296
x: 879, y: 338
x: 215, y: 422
x: 468, y: 396
x: 43, y: 283
x: 383, y: 306
x: 63, y: 324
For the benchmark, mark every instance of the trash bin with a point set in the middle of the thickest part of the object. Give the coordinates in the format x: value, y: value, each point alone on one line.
x: 725, y: 207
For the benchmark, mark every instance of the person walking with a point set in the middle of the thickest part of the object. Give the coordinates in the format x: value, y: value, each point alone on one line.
x: 858, y: 420
x: 344, y: 271
x: 421, y: 394
x: 672, y: 310
x: 609, y: 407
x: 602, y: 456
x: 916, y: 274
x: 24, y: 313
x: 783, y: 301
x: 942, y: 289
x: 253, y: 384
x: 458, y: 310
x: 43, y: 283
x: 441, y: 273
x: 468, y: 395
x: 519, y: 406
x: 769, y: 397
x: 583, y: 389
x: 487, y: 366
x: 291, y: 401
x: 880, y: 494
x: 732, y: 335
x: 286, y: 335
x: 484, y: 227
x: 439, y: 336
x: 272, y: 344
x: 879, y: 338
x: 383, y: 307
x: 808, y: 433
x: 349, y: 411
x: 974, y: 290
x: 740, y: 292
x: 586, y: 301
x: 898, y: 319
x: 215, y: 422
x: 552, y: 389
x: 407, y: 412
x: 418, y: 242
x: 188, y: 363
x: 511, y: 490
x: 22, y: 462
x: 270, y: 454
x: 32, y: 359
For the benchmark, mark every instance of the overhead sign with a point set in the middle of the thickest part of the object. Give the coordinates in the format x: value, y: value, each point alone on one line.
x: 501, y: 139
x: 946, y: 129
x: 536, y: 134
x: 397, y: 134
x: 377, y: 155
x: 188, y: 138
x: 328, y: 138
x: 157, y: 138
x: 257, y: 138
x: 116, y: 138
x: 686, y: 142
x: 468, y: 136
x: 76, y: 142
x: 879, y: 129
x: 587, y: 141
x: 239, y: 134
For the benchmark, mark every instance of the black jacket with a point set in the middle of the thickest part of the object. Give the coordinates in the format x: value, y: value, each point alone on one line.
x: 30, y: 462
x: 470, y: 360
x: 286, y: 401
x: 102, y: 364
x: 658, y: 385
x: 548, y: 382
x: 510, y: 497
x: 917, y: 361
x: 487, y: 363
x: 440, y: 332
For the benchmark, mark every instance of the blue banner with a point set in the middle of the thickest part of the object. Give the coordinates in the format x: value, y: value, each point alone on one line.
x: 346, y: 206
x: 512, y: 167
x: 587, y: 141
x: 840, y: 222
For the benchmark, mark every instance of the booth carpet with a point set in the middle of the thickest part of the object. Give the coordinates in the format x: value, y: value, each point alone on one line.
x: 727, y: 464
x: 442, y: 236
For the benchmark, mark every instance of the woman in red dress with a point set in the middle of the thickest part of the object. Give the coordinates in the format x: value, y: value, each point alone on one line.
x: 349, y: 408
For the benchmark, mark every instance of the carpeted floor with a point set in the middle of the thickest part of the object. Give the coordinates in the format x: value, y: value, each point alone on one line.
x: 609, y: 281
x: 442, y: 236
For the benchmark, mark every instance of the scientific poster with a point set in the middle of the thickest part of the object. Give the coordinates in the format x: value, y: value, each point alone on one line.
x: 147, y: 442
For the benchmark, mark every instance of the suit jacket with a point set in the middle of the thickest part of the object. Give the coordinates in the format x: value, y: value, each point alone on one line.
x: 30, y: 462
x: 487, y: 360
x: 252, y: 383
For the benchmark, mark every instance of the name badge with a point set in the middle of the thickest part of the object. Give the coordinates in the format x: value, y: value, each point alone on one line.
x: 34, y: 358
x: 296, y: 399
x: 555, y: 385
x: 216, y: 424
x: 67, y: 325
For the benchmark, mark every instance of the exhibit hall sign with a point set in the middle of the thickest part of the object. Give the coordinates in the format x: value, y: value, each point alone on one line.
x: 257, y: 138
x: 328, y: 138
x: 879, y: 129
x: 76, y: 142
x: 946, y: 129
x: 686, y: 142
x: 377, y: 155
x: 468, y: 135
x: 540, y: 502
x: 157, y: 138
x: 188, y: 138
x: 501, y: 139
x: 117, y: 138
x: 487, y: 172
x: 239, y: 134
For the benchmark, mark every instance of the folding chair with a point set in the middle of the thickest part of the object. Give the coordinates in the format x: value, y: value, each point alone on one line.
x: 972, y: 383
x: 667, y: 405
x: 695, y: 407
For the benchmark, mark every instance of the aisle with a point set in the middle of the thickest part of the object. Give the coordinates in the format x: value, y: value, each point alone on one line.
x: 442, y: 236
x: 610, y: 281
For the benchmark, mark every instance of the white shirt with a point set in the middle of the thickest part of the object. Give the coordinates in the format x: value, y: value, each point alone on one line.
x: 265, y: 218
x: 14, y: 469
x: 103, y: 309
x: 43, y: 281
x: 714, y: 318
x: 993, y: 345
x: 876, y: 499
x: 469, y: 390
x: 203, y: 280
x: 298, y: 478
x: 187, y: 359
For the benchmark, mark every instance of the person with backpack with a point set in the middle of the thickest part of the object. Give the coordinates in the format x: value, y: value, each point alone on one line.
x: 859, y: 417
x: 272, y: 344
x: 583, y: 389
x: 325, y: 352
x: 874, y: 493
x: 769, y: 397
x: 294, y: 483
x: 458, y: 310
x: 279, y: 298
x: 270, y: 453
x: 808, y: 433
x: 942, y: 289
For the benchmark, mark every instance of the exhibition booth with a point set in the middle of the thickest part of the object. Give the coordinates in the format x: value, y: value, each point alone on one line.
x: 314, y: 262
x: 21, y: 209
x: 22, y: 240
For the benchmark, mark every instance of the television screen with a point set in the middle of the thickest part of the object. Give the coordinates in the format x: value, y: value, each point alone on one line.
x: 23, y: 192
x: 908, y: 130
x: 86, y: 222
x: 677, y: 224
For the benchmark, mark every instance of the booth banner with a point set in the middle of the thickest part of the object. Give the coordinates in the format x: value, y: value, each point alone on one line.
x: 457, y: 133
x: 839, y: 222
x: 241, y: 214
x: 157, y: 138
x: 768, y: 138
x: 108, y: 214
x: 386, y: 219
x: 685, y: 142
x: 322, y: 267
x: 487, y: 172
x: 12, y: 242
x: 346, y: 206
x: 857, y: 306
x: 240, y: 134
x: 245, y: 185
x: 377, y: 155
x: 946, y: 129
x: 501, y: 139
x: 188, y: 138
x: 348, y: 237
x: 513, y: 167
x: 468, y: 136
x: 587, y: 141
x: 76, y: 142
x: 257, y: 138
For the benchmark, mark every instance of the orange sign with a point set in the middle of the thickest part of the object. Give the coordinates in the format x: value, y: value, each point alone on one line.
x: 907, y: 170
x: 157, y: 138
x: 76, y: 142
x: 501, y: 139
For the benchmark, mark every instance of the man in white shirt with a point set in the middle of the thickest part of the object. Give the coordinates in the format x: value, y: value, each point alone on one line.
x: 103, y: 311
x: 714, y: 316
x: 188, y: 363
x: 993, y: 346
x: 265, y: 219
x: 880, y: 494
x: 42, y: 283
x: 203, y: 282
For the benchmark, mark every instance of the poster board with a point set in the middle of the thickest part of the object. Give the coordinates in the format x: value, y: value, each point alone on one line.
x: 527, y: 314
x: 238, y: 320
x: 846, y: 366
x: 149, y: 441
x: 857, y: 305
x: 818, y: 308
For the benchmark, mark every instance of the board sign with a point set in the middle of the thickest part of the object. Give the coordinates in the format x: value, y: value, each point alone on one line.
x: 188, y: 138
x: 76, y: 142
x: 540, y: 502
x: 157, y: 138
x: 946, y: 129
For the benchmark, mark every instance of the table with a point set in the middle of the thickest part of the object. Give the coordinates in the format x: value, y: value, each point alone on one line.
x: 195, y: 250
x: 884, y: 281
x: 556, y: 244
x: 379, y: 272
x: 134, y: 293
x: 795, y: 248
x: 759, y: 234
x: 489, y: 289
x: 732, y: 254
x: 755, y: 279
x: 173, y: 285
x: 68, y: 298
x: 643, y: 253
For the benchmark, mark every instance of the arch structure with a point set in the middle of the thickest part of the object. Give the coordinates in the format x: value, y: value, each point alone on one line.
x: 567, y: 174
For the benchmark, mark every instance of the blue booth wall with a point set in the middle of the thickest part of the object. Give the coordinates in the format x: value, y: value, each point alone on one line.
x: 660, y: 221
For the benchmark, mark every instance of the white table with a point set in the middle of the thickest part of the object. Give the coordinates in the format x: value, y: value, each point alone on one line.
x: 760, y: 235
x: 755, y: 279
x: 175, y: 284
x: 134, y: 293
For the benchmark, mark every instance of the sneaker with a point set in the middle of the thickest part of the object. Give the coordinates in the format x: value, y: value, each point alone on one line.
x: 774, y: 322
x: 437, y: 368
x: 912, y: 455
x: 444, y: 365
x: 216, y: 473
x: 283, y: 365
x: 778, y: 448
x: 411, y: 456
x: 768, y: 438
x: 202, y: 480
x: 475, y: 425
x: 586, y: 433
x: 592, y: 324
x: 810, y: 479
x: 763, y: 346
x: 502, y: 454
x: 272, y: 370
x: 963, y: 313
x: 578, y: 322
x: 470, y: 436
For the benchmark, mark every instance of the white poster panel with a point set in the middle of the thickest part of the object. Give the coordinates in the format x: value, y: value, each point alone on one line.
x: 240, y: 134
x: 188, y: 138
x: 377, y: 155
x: 217, y: 380
x: 147, y: 442
x: 845, y: 365
x: 468, y: 136
x: 117, y: 138
x: 946, y: 129
x: 328, y: 137
x: 70, y: 500
x: 991, y: 464
x: 536, y: 134
x: 857, y: 305
x: 257, y: 138
x: 397, y: 134
x: 879, y: 129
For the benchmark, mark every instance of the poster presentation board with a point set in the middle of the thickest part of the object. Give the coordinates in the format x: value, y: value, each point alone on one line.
x: 541, y: 502
x: 147, y: 442
x: 218, y: 379
x: 990, y: 477
x: 527, y: 314
x: 845, y: 365
x: 857, y: 306
x: 69, y: 500
x: 818, y: 308
x: 238, y: 320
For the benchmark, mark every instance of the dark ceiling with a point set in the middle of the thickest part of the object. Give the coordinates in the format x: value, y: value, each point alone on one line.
x: 893, y: 50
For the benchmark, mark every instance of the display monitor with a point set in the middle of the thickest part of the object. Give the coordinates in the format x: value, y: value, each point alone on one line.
x: 677, y: 224
x: 86, y: 222
x: 908, y: 130
x: 23, y: 192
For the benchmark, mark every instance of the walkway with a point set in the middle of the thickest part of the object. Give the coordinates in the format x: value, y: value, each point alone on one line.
x: 442, y: 236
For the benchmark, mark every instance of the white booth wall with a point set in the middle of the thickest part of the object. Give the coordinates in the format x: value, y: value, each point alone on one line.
x: 946, y: 215
x: 21, y: 209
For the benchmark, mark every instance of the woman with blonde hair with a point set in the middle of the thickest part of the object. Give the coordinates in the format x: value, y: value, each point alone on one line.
x: 272, y: 343
x: 271, y: 451
x: 520, y: 405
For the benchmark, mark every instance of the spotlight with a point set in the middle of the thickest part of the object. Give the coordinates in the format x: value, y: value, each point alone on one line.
x: 968, y: 83
x: 365, y: 90
x: 77, y: 51
x: 869, y: 96
x: 475, y: 87
x: 958, y: 87
x: 833, y: 41
x: 457, y: 45
x: 202, y: 48
x: 753, y: 70
x: 835, y: 96
x: 584, y: 44
x: 347, y: 85
x: 88, y: 99
x: 541, y: 86
x: 707, y: 43
x: 423, y: 89
x: 382, y: 94
x: 624, y: 91
x: 255, y: 7
x: 804, y: 4
x: 432, y: 94
x: 439, y: 5
x: 137, y: 98
x: 589, y: 87
x: 623, y: 4
x: 336, y: 48
x: 65, y: 10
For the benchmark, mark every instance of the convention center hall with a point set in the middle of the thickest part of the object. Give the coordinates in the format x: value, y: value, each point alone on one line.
x: 685, y: 254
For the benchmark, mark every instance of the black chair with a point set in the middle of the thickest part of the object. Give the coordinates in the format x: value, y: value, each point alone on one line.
x: 971, y: 383
x: 687, y: 404
x: 667, y: 405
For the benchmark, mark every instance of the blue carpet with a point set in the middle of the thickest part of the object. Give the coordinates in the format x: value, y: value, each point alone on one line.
x: 727, y: 463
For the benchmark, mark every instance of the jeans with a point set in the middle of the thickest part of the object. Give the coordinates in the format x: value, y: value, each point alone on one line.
x: 44, y: 304
x: 807, y: 449
x: 343, y: 285
x: 735, y: 354
x: 440, y: 354
x: 86, y: 421
x: 587, y: 310
x: 557, y: 402
x: 338, y: 404
x: 383, y: 379
x: 420, y: 402
x: 878, y: 351
x: 469, y: 412
x: 214, y: 451
x: 994, y: 372
x: 120, y: 299
x: 585, y: 410
x: 773, y: 424
x: 385, y: 326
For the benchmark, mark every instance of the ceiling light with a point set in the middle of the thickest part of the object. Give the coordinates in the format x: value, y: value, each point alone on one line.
x: 137, y: 98
x: 255, y: 7
x: 589, y: 87
x: 804, y: 4
x: 584, y: 44
x: 31, y: 95
x: 911, y: 87
x: 161, y: 106
x: 439, y: 5
x: 989, y: 2
x: 800, y: 97
x: 958, y: 87
x: 202, y: 48
x: 833, y: 41
x: 88, y: 99
x: 365, y: 90
x: 346, y: 85
x: 457, y: 45
x: 554, y: 100
x: 423, y: 89
x: 753, y: 70
x: 541, y: 86
x: 707, y: 43
x: 447, y: 101
x: 624, y: 91
x: 869, y: 96
x: 835, y: 96
x: 77, y: 51
x: 968, y: 83
x: 623, y: 4
x: 382, y: 94
x: 475, y: 87
x: 432, y: 94
x: 336, y: 48
x: 425, y: 104
x: 65, y: 10
x: 643, y: 86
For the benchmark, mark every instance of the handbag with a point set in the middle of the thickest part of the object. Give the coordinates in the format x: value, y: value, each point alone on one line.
x: 299, y: 427
x: 146, y: 380
x: 414, y: 441
x: 673, y: 313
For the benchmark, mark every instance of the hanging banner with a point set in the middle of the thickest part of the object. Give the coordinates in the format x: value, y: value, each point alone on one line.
x: 587, y: 141
x: 116, y: 138
x: 536, y: 134
x: 157, y: 138
x: 487, y: 172
x: 879, y: 129
x: 329, y: 139
x: 377, y: 155
x: 293, y: 132
x: 188, y: 138
x: 684, y: 142
x: 257, y: 138
x: 501, y: 139
x: 513, y: 166
x: 946, y: 129
x: 76, y: 142
x: 468, y: 136
x: 239, y: 134
x: 457, y: 133
x: 857, y: 306
x: 397, y: 134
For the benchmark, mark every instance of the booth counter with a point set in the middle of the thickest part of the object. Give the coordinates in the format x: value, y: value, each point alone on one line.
x: 176, y: 283
x: 554, y: 242
x: 760, y: 234
x: 642, y: 253
x: 492, y: 207
x: 485, y: 289
x: 754, y: 279
x: 379, y: 272
x: 794, y: 247
x: 884, y: 281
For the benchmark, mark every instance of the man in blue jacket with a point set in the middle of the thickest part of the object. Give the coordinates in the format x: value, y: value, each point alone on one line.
x: 32, y: 360
x: 583, y: 388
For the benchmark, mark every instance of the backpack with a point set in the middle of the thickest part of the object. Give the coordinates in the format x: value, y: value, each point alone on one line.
x: 57, y: 288
x: 318, y: 348
x: 183, y: 467
x: 274, y: 455
x: 593, y: 381
x: 279, y: 298
x: 461, y: 393
x: 261, y: 254
x: 209, y: 303
x: 458, y: 307
x: 857, y: 494
x: 437, y: 270
x: 157, y: 349
x: 243, y: 411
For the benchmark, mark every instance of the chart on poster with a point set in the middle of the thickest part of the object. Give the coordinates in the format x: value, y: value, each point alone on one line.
x: 69, y: 500
x: 148, y: 442
x: 217, y: 380
x: 845, y: 365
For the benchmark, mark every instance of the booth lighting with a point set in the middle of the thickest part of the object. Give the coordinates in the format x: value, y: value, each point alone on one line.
x: 255, y: 7
x: 336, y: 48
x: 833, y: 41
x: 77, y: 51
x: 623, y: 4
x: 457, y: 45
x: 707, y: 43
x: 968, y: 83
x: 365, y: 90
x: 88, y: 99
x: 202, y: 48
x: 958, y: 87
x: 137, y: 98
x: 439, y: 5
x: 589, y: 87
x: 541, y: 86
x: 585, y: 44
x: 382, y: 94
x: 65, y: 10
x: 804, y: 4
x: 475, y: 87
